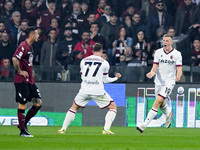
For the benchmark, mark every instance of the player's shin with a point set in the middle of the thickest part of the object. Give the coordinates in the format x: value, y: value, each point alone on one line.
x: 68, y: 119
x: 31, y: 113
x: 152, y: 113
x: 21, y: 119
x: 165, y: 110
x: 110, y: 117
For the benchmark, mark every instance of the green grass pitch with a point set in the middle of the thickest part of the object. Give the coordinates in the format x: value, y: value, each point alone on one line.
x: 90, y: 138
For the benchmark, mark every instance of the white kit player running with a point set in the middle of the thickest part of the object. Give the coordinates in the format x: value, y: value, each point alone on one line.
x: 167, y: 67
x: 94, y: 72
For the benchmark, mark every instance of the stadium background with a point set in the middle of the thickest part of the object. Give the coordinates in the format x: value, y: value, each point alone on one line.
x: 133, y: 101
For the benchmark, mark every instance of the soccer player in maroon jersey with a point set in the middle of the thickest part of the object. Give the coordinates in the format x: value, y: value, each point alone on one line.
x: 26, y: 90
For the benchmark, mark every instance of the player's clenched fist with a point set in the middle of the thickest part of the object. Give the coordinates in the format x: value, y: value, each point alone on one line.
x: 118, y: 75
x: 150, y: 75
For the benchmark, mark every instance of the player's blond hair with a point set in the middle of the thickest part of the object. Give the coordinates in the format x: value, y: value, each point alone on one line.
x: 167, y: 35
x: 97, y: 47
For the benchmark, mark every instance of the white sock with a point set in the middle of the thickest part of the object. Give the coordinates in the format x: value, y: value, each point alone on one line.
x: 165, y: 110
x: 152, y: 113
x: 110, y: 117
x: 68, y: 118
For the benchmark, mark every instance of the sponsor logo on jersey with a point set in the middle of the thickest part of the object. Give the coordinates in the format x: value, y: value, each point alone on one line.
x: 91, y: 82
x: 166, y: 61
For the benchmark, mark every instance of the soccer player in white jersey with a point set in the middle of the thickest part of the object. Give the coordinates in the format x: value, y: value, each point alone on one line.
x: 94, y: 72
x: 167, y: 67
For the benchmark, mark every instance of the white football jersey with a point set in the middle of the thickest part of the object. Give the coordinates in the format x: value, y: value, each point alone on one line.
x: 93, y: 68
x: 167, y: 63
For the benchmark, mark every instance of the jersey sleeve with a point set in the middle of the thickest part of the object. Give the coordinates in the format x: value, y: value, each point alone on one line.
x: 156, y: 59
x: 81, y: 66
x: 20, y: 52
x: 179, y: 60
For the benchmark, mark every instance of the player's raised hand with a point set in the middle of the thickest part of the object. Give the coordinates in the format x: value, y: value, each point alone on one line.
x: 118, y: 75
x: 24, y: 74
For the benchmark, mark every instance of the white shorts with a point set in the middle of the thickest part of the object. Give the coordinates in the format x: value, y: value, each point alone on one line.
x: 163, y: 90
x: 102, y: 101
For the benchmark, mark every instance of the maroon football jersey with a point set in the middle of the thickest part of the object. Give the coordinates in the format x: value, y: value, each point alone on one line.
x: 24, y: 53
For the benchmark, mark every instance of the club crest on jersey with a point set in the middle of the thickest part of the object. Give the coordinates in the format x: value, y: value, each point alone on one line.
x: 171, y: 57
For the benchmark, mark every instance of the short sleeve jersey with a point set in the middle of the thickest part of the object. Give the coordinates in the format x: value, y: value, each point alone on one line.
x: 93, y: 68
x: 167, y: 63
x: 24, y: 53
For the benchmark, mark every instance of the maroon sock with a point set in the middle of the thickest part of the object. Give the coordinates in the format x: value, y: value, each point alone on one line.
x: 21, y: 118
x: 31, y: 113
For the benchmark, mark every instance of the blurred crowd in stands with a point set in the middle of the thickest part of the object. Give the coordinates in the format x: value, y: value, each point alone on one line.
x: 129, y: 30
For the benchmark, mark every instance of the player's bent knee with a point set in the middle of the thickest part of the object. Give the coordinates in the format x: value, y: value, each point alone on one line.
x: 37, y: 101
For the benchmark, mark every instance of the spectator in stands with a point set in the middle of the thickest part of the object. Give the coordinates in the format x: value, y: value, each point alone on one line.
x: 48, y: 14
x: 65, y: 48
x: 3, y: 29
x: 86, y: 45
x: 140, y: 50
x: 96, y: 36
x: 196, y: 53
x: 90, y: 20
x: 185, y: 17
x: 127, y: 22
x: 121, y: 42
x: 65, y: 8
x: 49, y: 49
x: 128, y: 66
x: 109, y: 29
x: 160, y: 32
x: 194, y: 32
x: 76, y: 17
x: 148, y: 6
x: 158, y: 18
x: 100, y: 8
x: 129, y: 10
x: 85, y: 8
x: 14, y: 24
x: 75, y: 67
x: 105, y: 17
x: 6, y: 11
x: 54, y: 24
x: 21, y: 35
x: 104, y: 55
x: 171, y: 31
x: 137, y: 25
x: 7, y: 48
x: 48, y: 54
x: 30, y: 13
x: 6, y: 73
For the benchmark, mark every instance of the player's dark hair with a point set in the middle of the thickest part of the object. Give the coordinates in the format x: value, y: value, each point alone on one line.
x: 97, y: 47
x: 167, y: 35
x: 29, y: 30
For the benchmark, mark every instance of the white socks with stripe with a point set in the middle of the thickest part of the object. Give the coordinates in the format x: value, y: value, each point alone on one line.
x: 68, y: 118
x: 109, y: 118
x: 152, y: 113
x: 165, y: 110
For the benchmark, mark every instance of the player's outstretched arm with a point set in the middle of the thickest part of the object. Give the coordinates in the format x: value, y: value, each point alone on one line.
x: 16, y: 65
x: 107, y: 79
x: 118, y: 75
